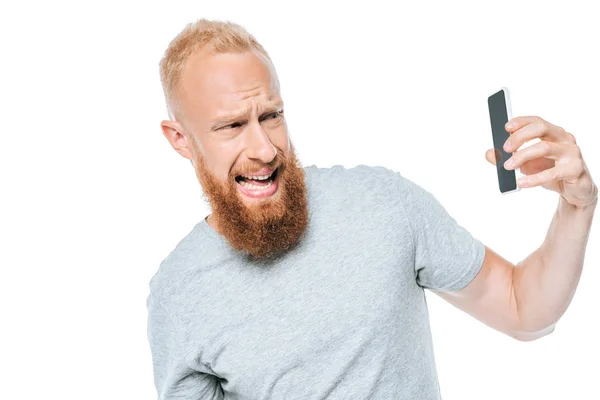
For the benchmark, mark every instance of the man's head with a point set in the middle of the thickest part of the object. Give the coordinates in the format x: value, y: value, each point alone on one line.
x: 226, y: 110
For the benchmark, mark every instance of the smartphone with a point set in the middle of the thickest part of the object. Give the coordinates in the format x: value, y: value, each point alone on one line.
x: 500, y: 113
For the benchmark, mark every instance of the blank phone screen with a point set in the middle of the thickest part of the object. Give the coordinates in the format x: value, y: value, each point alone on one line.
x: 498, y: 119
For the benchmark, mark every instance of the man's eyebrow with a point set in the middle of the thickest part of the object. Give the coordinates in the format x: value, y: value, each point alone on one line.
x: 230, y: 117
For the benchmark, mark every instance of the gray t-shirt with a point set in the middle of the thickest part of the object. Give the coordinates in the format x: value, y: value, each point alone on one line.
x: 341, y: 316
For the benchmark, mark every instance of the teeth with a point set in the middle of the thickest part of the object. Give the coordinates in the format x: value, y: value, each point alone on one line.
x: 255, y: 187
x: 259, y: 177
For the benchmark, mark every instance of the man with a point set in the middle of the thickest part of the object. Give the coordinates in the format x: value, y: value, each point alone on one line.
x: 308, y: 283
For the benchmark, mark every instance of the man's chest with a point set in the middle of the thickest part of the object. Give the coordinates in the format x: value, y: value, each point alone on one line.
x: 278, y: 328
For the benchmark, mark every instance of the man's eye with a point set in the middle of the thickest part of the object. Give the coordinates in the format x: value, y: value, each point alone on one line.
x: 236, y: 124
x: 278, y: 113
x: 230, y: 125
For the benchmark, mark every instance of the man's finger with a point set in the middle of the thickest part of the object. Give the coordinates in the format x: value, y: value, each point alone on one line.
x: 493, y: 156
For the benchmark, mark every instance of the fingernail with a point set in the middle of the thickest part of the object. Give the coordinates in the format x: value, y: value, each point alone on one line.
x: 507, y: 145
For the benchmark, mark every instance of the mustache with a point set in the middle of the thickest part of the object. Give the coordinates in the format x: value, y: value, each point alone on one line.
x: 280, y: 160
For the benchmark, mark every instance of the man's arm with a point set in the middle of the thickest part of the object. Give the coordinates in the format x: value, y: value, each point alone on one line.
x: 526, y: 300
x: 173, y: 377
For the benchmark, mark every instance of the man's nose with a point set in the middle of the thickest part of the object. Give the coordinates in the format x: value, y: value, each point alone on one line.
x: 258, y: 144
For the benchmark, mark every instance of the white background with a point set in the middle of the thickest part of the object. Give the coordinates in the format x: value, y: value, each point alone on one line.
x: 93, y: 196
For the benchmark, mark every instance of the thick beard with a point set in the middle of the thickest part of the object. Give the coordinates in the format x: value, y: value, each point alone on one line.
x: 267, y: 228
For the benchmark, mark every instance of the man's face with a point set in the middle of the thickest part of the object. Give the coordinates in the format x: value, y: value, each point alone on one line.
x: 231, y: 116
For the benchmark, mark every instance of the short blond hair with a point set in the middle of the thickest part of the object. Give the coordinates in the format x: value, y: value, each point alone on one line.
x: 215, y: 36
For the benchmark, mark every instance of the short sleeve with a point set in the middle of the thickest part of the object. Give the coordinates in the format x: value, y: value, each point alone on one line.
x: 173, y: 378
x: 447, y: 256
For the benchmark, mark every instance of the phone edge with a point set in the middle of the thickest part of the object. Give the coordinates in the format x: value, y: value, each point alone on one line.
x: 509, y: 115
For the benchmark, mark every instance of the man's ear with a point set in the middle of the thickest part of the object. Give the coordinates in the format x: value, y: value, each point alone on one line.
x: 177, y: 137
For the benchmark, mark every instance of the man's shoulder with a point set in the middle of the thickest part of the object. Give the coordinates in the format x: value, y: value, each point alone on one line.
x: 360, y: 171
x: 172, y: 266
x: 351, y: 189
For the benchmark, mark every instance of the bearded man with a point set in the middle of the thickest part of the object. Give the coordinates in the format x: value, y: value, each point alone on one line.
x: 307, y: 282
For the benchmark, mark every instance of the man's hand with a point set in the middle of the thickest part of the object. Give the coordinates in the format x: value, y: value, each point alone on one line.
x: 555, y: 163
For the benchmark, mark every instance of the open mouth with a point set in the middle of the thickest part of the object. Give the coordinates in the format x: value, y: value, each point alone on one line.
x: 257, y: 183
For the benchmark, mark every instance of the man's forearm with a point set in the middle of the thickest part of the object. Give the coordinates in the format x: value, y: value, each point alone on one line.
x: 545, y: 282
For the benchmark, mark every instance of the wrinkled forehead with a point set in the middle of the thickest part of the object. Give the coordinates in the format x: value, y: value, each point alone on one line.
x: 216, y: 85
